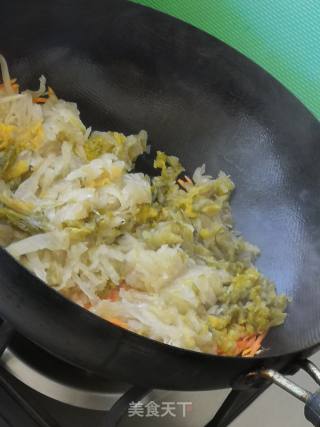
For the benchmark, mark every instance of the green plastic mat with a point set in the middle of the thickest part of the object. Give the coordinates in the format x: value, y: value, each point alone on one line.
x: 282, y: 36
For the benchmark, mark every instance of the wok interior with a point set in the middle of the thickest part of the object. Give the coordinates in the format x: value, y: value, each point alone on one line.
x: 205, y: 103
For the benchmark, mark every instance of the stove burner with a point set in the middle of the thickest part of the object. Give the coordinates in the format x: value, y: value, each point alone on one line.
x: 108, y: 401
x: 59, y: 380
x: 54, y: 378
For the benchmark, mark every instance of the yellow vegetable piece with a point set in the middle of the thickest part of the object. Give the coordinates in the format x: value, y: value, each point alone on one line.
x: 6, y: 135
x: 146, y: 212
x: 17, y: 205
x: 119, y: 137
x: 19, y: 168
x: 160, y: 161
x: 223, y: 185
x: 204, y: 233
x: 95, y: 146
x: 218, y: 323
x: 102, y: 180
x: 248, y: 277
x: 211, y: 209
x: 30, y: 138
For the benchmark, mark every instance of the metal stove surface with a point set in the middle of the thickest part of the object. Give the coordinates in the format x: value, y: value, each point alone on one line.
x: 66, y: 396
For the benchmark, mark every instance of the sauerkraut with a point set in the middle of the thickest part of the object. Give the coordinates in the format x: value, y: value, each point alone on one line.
x: 156, y: 255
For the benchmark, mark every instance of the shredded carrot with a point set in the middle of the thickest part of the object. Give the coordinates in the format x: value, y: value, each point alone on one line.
x: 112, y: 295
x: 87, y: 306
x: 255, y: 347
x: 124, y: 285
x: 250, y: 345
x: 12, y: 81
x: 14, y: 85
x: 188, y: 179
x: 39, y: 100
x: 118, y: 322
x: 113, y: 320
x: 245, y: 343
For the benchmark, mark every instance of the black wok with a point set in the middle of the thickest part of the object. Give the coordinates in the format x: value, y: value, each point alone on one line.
x: 130, y: 68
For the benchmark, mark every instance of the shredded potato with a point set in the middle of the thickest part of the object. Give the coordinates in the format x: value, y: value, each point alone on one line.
x: 156, y: 255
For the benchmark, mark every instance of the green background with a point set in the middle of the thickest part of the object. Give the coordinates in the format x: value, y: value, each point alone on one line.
x: 282, y: 36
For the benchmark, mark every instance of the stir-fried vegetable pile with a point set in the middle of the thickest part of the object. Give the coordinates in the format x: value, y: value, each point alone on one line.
x: 156, y: 255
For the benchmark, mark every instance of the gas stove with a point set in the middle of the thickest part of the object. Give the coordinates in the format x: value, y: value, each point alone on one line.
x: 36, y: 389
